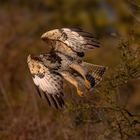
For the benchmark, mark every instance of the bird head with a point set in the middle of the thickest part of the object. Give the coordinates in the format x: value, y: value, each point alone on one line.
x: 51, y: 35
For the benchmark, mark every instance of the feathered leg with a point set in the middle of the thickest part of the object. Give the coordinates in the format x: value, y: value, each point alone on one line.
x: 71, y: 79
x: 82, y: 72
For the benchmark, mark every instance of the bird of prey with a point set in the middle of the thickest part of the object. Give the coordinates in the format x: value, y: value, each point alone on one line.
x: 64, y: 61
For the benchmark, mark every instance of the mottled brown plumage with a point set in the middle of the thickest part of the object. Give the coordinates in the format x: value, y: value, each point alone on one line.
x: 71, y: 41
x: 64, y: 61
x: 46, y: 80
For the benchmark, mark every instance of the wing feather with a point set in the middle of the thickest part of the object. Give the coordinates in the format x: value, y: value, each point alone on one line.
x: 38, y: 91
x: 47, y: 81
x: 47, y: 98
x: 54, y: 101
x: 51, y: 88
x: 59, y: 100
x: 74, y: 38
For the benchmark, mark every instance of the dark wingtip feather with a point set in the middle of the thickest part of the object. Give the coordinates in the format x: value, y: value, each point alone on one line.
x: 62, y: 100
x: 61, y: 93
x: 47, y: 98
x: 54, y: 102
x: 38, y: 91
x: 76, y: 29
x: 91, y: 46
x: 59, y: 101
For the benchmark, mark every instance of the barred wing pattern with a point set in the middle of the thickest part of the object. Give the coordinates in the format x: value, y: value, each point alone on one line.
x: 75, y: 38
x: 48, y: 82
x: 97, y: 71
x: 51, y: 88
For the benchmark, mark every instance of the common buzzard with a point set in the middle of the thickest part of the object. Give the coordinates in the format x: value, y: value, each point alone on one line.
x: 64, y: 61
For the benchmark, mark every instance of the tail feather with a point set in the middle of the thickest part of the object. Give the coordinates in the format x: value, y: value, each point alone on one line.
x: 97, y: 71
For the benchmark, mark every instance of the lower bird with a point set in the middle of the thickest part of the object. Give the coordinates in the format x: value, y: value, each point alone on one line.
x: 48, y: 74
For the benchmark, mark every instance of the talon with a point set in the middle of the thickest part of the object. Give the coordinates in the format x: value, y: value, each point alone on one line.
x: 80, y: 93
x: 87, y: 84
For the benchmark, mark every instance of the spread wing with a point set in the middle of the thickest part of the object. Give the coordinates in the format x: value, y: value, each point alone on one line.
x: 49, y: 83
x: 74, y: 38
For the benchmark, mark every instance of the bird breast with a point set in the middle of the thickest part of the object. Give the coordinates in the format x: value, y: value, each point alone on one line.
x: 65, y: 61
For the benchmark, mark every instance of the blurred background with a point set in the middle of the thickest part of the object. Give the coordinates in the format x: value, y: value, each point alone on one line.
x: 111, y: 111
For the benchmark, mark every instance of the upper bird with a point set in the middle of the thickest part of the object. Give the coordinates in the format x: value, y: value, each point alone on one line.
x: 64, y: 61
x: 71, y: 41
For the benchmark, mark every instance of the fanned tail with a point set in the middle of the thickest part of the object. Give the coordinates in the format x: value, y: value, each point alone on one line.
x: 95, y: 72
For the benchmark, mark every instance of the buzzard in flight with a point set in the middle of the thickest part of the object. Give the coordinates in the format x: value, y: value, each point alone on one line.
x: 64, y: 61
